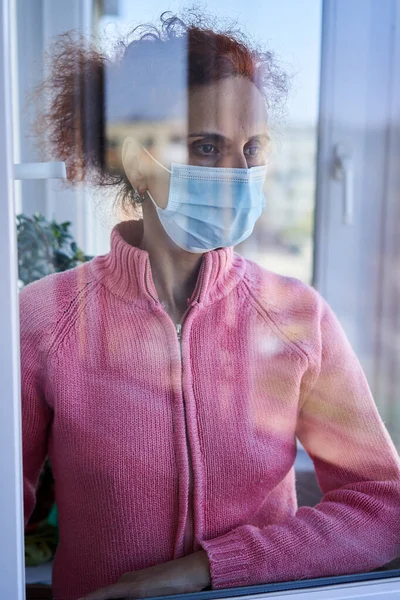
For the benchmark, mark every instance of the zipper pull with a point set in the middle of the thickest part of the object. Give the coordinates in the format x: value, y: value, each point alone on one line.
x: 179, y: 331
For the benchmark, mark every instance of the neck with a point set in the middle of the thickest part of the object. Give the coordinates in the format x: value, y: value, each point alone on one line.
x: 174, y: 271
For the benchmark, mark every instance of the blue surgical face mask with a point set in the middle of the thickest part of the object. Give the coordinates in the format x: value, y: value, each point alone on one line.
x: 210, y: 207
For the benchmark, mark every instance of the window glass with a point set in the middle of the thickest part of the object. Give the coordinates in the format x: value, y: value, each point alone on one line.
x: 283, y: 236
x: 208, y: 390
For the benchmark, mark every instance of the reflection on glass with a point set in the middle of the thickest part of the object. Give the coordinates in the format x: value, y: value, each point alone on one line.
x: 168, y: 379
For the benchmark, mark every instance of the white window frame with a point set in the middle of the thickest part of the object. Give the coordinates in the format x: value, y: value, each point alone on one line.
x: 12, y: 571
x: 380, y: 590
x: 359, y: 107
x: 353, y: 67
x: 12, y: 580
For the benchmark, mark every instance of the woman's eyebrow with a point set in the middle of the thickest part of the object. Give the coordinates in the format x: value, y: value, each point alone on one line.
x: 222, y: 138
x: 210, y: 134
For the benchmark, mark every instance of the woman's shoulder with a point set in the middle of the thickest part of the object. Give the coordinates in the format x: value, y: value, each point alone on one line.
x: 42, y: 302
x: 295, y: 310
x: 281, y: 294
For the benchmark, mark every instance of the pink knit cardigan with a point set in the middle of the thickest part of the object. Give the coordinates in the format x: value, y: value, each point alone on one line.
x: 150, y: 441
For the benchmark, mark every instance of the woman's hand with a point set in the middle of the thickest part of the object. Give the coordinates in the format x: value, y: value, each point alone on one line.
x: 188, y: 574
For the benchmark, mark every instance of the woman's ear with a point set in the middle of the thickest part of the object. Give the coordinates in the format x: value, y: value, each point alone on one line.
x: 130, y: 155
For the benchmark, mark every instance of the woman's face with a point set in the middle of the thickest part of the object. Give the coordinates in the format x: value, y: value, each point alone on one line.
x: 226, y: 127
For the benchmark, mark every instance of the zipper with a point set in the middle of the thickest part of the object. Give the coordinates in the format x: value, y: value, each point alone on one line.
x: 179, y: 325
x: 188, y: 534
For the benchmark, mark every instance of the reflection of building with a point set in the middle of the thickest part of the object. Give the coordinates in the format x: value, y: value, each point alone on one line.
x: 291, y: 185
x: 283, y: 238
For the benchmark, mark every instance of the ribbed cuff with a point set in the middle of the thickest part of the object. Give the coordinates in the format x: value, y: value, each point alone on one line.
x: 228, y: 560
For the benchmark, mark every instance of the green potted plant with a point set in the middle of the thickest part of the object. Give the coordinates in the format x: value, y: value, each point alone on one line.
x: 45, y: 247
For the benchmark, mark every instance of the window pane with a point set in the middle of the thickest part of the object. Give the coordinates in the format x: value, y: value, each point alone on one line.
x: 208, y: 344
x: 283, y: 236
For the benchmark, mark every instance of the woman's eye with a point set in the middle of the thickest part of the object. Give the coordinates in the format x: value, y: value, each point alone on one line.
x: 253, y: 150
x: 207, y: 149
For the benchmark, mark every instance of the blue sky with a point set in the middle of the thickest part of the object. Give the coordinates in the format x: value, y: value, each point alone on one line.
x: 291, y: 28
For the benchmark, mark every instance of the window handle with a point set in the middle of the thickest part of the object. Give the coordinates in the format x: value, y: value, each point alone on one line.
x: 343, y: 170
x: 43, y: 170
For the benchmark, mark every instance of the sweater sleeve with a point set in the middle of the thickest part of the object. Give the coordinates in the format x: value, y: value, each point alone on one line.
x: 356, y: 526
x: 36, y: 414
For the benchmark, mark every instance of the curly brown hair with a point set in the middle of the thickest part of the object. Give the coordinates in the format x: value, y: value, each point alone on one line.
x: 84, y: 87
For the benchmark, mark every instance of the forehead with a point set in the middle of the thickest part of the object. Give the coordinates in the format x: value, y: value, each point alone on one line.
x: 231, y: 106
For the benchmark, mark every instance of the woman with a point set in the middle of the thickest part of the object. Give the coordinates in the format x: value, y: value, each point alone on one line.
x: 169, y: 379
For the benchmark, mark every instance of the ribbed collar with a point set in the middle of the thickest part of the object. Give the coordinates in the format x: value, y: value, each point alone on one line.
x: 126, y: 272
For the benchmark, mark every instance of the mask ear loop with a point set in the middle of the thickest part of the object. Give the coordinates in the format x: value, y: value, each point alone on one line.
x: 163, y: 167
x: 156, y: 161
